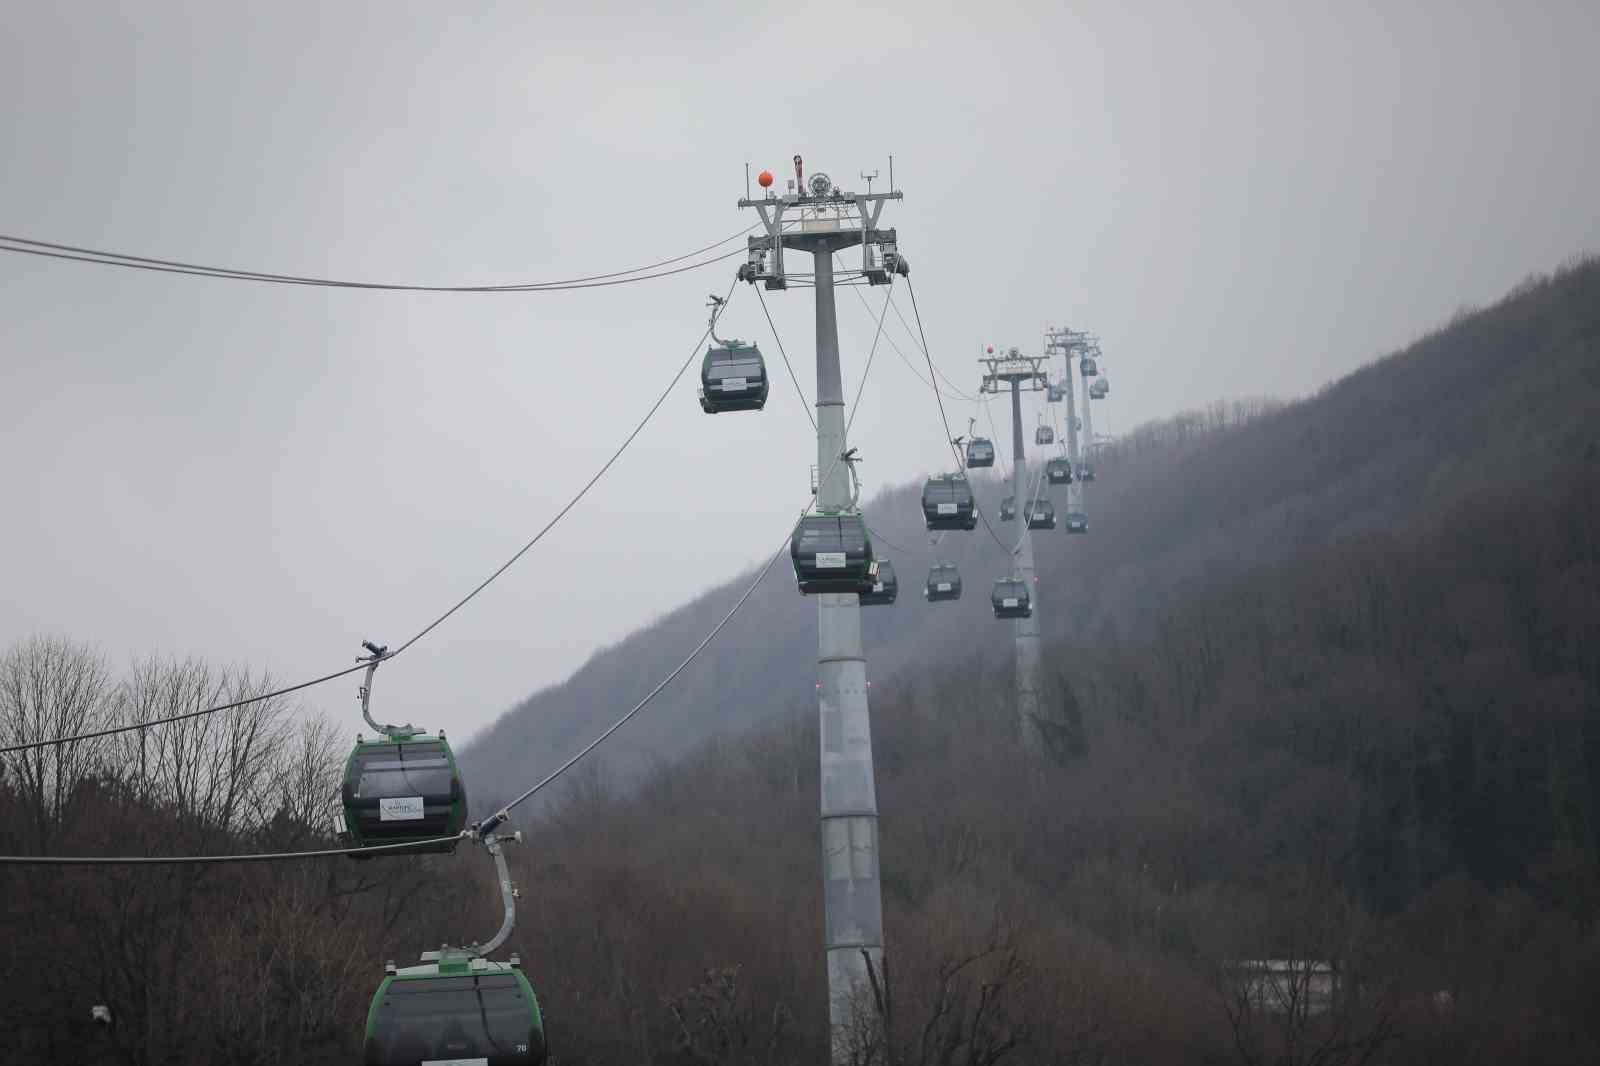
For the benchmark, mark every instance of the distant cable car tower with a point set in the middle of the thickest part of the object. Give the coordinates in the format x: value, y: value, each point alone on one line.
x: 1015, y: 372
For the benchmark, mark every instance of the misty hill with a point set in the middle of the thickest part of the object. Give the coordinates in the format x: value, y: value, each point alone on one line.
x: 1504, y: 397
x: 1323, y: 696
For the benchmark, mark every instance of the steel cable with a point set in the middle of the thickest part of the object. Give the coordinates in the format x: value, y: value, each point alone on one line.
x: 961, y: 459
x: 573, y: 502
x: 173, y: 266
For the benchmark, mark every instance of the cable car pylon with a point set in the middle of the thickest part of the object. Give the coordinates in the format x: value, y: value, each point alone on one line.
x: 1016, y: 597
x: 1068, y: 343
x: 817, y: 217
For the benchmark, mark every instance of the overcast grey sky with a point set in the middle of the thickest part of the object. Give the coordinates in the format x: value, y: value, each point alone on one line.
x: 1239, y: 199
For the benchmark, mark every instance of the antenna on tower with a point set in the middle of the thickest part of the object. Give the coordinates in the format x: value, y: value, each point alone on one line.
x: 869, y: 178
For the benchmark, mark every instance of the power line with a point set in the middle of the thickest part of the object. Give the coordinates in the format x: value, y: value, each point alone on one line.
x: 581, y: 493
x: 171, y: 266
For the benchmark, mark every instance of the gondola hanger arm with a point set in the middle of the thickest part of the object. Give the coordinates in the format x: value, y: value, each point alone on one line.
x: 380, y: 652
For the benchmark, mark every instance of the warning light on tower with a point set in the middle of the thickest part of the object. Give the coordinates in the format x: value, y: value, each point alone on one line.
x: 765, y: 179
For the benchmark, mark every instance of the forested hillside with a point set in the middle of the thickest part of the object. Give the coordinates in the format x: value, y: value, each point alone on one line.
x: 1324, y: 689
x: 1497, y: 400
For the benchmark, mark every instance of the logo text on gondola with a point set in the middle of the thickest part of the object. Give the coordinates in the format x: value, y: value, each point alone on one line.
x: 400, y: 809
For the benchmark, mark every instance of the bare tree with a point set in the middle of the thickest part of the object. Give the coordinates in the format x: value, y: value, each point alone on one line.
x: 306, y: 778
x: 713, y: 1027
x: 51, y: 687
x: 1297, y: 995
x: 219, y: 774
x: 966, y: 1020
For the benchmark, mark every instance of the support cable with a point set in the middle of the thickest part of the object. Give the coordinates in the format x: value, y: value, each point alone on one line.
x: 494, y: 821
x: 798, y: 391
x: 482, y: 830
x: 197, y: 860
x: 485, y: 828
x: 171, y: 266
x: 490, y: 824
x: 573, y: 502
x: 934, y: 366
x: 901, y: 353
x: 961, y: 459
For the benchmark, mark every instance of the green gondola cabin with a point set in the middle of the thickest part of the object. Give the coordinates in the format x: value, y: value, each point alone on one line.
x: 455, y: 1009
x: 402, y: 788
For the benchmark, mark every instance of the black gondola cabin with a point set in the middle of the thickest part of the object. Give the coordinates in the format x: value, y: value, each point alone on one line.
x: 1041, y: 514
x: 456, y: 1010
x: 1044, y: 435
x: 832, y: 553
x: 402, y: 788
x: 1058, y: 471
x: 1010, y: 598
x: 980, y: 452
x: 947, y: 503
x: 944, y: 583
x: 885, y: 587
x: 733, y: 378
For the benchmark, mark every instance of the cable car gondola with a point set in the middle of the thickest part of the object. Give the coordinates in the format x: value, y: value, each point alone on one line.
x: 832, y: 553
x: 733, y: 377
x: 980, y: 452
x: 1008, y: 508
x: 1085, y: 471
x: 1088, y: 367
x: 1077, y: 522
x: 947, y: 503
x: 1099, y: 389
x: 884, y: 588
x: 456, y: 1008
x: 1010, y: 598
x: 1041, y: 514
x: 1058, y: 471
x: 402, y: 786
x: 944, y: 583
x: 1055, y: 393
x: 1044, y: 435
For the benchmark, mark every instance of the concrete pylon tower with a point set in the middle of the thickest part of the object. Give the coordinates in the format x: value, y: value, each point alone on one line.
x: 1069, y: 344
x: 1018, y: 373
x: 815, y: 216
